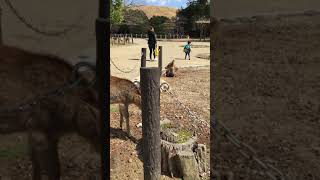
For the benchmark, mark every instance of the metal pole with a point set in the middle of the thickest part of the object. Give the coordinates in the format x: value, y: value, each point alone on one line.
x: 103, y: 79
x: 150, y: 98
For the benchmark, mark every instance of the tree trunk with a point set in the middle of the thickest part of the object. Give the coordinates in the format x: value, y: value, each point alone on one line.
x: 184, y: 160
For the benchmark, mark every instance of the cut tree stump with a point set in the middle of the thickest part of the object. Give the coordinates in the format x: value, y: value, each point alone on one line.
x: 186, y: 160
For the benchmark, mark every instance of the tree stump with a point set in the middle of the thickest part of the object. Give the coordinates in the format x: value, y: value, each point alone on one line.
x: 181, y: 158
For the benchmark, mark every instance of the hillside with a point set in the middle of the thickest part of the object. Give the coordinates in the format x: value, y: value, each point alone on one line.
x: 157, y: 11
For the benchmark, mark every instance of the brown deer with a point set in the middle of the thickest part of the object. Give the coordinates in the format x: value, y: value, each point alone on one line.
x: 171, y: 69
x: 24, y: 75
x: 124, y: 92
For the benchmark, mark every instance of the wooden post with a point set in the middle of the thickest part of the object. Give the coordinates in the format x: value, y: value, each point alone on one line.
x: 102, y: 25
x: 143, y: 57
x: 1, y: 42
x: 150, y: 99
x: 160, y: 60
x: 132, y: 38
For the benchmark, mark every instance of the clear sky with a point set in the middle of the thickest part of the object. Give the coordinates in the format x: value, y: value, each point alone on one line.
x: 171, y: 3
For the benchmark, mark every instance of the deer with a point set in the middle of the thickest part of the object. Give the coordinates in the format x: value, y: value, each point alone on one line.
x: 26, y: 74
x: 171, y: 69
x: 124, y: 92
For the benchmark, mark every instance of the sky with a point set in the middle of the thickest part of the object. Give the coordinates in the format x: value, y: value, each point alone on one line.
x: 171, y: 3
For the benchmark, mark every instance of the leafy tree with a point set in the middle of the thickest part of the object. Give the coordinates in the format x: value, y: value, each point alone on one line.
x: 196, y: 9
x: 137, y: 20
x: 161, y: 24
x: 117, y: 11
x: 135, y: 17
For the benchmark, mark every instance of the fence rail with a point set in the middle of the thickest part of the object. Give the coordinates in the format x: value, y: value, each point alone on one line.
x: 123, y: 39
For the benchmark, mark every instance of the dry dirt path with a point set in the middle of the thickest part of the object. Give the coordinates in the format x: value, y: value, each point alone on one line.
x: 128, y: 57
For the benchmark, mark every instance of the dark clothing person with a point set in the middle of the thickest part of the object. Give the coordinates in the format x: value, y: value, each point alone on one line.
x: 187, y: 54
x: 152, y: 47
x: 152, y: 41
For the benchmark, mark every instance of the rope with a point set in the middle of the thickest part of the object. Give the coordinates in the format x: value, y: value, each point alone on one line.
x: 244, y: 149
x: 32, y: 27
x: 123, y: 71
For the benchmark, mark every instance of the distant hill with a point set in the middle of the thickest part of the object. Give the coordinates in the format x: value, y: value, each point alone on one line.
x: 157, y: 11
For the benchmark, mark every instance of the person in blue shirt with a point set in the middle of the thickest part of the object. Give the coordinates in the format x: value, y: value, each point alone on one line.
x: 187, y: 50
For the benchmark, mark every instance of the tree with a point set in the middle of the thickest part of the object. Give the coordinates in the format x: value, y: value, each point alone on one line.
x: 117, y: 11
x: 161, y: 24
x: 135, y: 17
x: 196, y: 9
x: 137, y: 20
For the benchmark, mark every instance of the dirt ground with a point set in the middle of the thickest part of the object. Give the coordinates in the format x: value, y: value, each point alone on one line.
x: 266, y: 84
x: 126, y: 154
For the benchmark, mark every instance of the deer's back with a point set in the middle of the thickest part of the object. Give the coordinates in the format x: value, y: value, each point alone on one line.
x: 122, y: 90
x: 25, y: 75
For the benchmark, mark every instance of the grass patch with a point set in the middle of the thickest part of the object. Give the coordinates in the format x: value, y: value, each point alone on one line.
x: 184, y: 136
x: 167, y: 126
x: 114, y: 108
x: 17, y: 151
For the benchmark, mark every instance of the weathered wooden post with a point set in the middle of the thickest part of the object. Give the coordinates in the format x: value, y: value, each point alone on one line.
x: 160, y: 60
x: 1, y: 42
x: 150, y: 98
x: 131, y: 38
x: 102, y: 24
x: 143, y: 57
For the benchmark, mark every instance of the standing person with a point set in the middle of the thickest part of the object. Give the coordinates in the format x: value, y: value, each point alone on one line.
x: 152, y: 41
x: 187, y: 49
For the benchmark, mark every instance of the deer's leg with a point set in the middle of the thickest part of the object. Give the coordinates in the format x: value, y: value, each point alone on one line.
x: 53, y: 162
x: 44, y: 157
x: 126, y: 111
x: 121, y: 111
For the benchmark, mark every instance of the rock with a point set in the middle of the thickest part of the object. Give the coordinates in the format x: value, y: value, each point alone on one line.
x: 139, y: 125
x: 130, y: 160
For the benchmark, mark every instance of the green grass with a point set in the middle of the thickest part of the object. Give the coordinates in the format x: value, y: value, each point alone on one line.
x: 167, y: 126
x: 184, y: 136
x: 114, y: 108
x: 17, y: 151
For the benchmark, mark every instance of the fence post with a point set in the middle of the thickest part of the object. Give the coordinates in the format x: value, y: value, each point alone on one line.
x: 0, y: 25
x: 143, y: 57
x: 150, y: 99
x: 132, y: 38
x: 160, y: 60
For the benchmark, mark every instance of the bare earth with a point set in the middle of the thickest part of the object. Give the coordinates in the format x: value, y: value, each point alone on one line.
x: 126, y: 154
x: 127, y: 58
x: 266, y: 89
